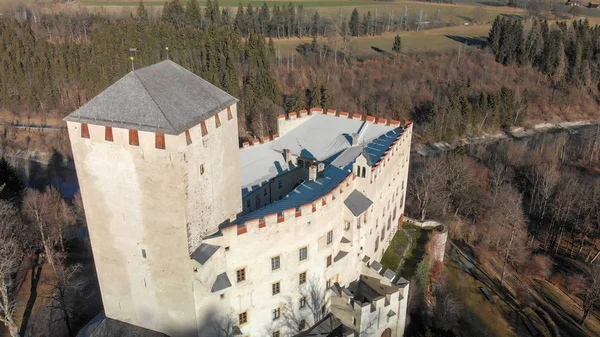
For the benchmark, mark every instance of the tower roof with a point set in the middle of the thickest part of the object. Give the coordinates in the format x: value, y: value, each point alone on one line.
x: 163, y: 98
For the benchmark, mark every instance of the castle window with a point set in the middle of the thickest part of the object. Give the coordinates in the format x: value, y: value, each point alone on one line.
x: 265, y: 192
x: 275, y: 263
x: 159, y: 141
x: 302, y: 302
x: 241, y: 274
x: 85, y: 131
x: 222, y: 296
x: 329, y: 237
x: 364, y: 172
x: 217, y: 120
x: 276, y: 288
x: 133, y: 138
x: 202, y: 170
x: 302, y: 278
x: 302, y: 324
x: 354, y: 321
x: 327, y: 284
x: 203, y: 128
x: 188, y: 137
x: 280, y: 183
x: 229, y: 113
x: 347, y: 225
x: 143, y: 253
x: 329, y: 261
x: 303, y: 253
x: 276, y: 313
x: 390, y: 221
x: 300, y: 163
x: 382, y: 233
x: 243, y: 318
x: 276, y: 334
x: 376, y: 244
x: 108, y: 136
x: 249, y: 204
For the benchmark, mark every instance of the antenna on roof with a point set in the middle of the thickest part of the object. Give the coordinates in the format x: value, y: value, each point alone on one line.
x: 131, y: 53
x: 167, y: 50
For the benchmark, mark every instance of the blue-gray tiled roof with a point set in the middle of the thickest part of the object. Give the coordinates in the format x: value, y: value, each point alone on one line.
x: 163, y: 98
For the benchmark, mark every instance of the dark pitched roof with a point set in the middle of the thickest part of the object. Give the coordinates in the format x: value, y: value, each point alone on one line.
x: 340, y: 255
x: 162, y: 98
x: 222, y: 282
x: 204, y: 252
x: 357, y: 203
x: 109, y: 327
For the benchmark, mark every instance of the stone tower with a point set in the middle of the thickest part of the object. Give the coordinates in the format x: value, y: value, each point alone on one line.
x: 158, y: 166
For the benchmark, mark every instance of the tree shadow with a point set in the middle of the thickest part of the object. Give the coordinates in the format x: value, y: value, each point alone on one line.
x: 477, y: 41
x: 36, y: 272
x: 380, y: 51
x: 491, y: 3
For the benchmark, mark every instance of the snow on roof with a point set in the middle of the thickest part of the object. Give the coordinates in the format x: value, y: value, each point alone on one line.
x: 323, y: 138
x: 332, y: 176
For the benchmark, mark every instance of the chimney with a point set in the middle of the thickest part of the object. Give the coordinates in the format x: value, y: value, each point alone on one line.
x: 312, y: 173
x: 287, y: 155
x: 354, y: 139
x: 320, y: 167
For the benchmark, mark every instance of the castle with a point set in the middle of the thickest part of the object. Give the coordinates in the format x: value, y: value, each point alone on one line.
x: 193, y: 235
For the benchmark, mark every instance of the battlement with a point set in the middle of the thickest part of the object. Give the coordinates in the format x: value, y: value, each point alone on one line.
x: 333, y: 198
x: 147, y: 139
x: 286, y: 123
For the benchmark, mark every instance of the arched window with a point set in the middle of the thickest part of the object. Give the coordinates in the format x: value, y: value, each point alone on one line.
x: 387, y: 333
x: 300, y: 163
x: 364, y: 172
x: 307, y: 164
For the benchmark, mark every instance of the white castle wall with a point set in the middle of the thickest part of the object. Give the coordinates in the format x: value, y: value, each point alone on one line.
x: 252, y: 245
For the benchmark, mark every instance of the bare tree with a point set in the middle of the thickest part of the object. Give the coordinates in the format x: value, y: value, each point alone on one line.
x: 591, y: 294
x: 225, y: 327
x: 49, y: 214
x: 66, y: 290
x: 505, y: 230
x: 315, y: 297
x: 10, y: 259
x: 447, y: 311
x: 290, y: 318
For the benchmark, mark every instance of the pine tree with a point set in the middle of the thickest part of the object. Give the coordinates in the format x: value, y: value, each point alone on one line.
x: 142, y: 13
x: 173, y: 13
x: 239, y: 21
x: 192, y: 13
x: 354, y: 23
x: 397, y: 44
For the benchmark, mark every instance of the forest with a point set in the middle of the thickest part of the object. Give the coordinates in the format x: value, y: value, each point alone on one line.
x: 529, y: 209
x: 522, y: 204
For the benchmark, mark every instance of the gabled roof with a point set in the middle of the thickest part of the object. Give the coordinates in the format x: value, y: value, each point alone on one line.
x: 163, y: 98
x: 357, y: 203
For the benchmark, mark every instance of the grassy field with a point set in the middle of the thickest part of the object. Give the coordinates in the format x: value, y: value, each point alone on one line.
x: 447, y: 13
x: 393, y: 254
x: 425, y: 40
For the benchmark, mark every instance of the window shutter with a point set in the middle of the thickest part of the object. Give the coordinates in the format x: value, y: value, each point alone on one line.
x: 108, y: 135
x: 133, y: 138
x: 85, y: 131
x: 159, y: 141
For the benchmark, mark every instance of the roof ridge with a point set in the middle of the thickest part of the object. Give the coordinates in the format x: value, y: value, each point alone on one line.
x: 153, y: 100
